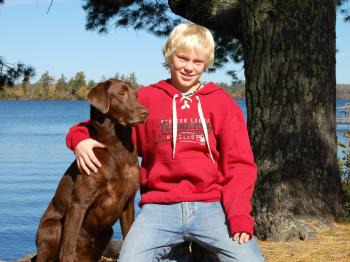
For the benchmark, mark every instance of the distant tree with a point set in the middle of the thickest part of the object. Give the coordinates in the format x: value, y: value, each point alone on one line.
x: 43, y: 85
x: 46, y: 80
x: 225, y: 86
x: 77, y: 82
x: 132, y: 79
x: 27, y: 90
x: 82, y: 92
x: 236, y: 90
x: 91, y: 84
x: 344, y: 164
x: 103, y: 78
x: 123, y: 78
x: 62, y: 89
x: 52, y: 92
x: 62, y: 83
x: 117, y: 76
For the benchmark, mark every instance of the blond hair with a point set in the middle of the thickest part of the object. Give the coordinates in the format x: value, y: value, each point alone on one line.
x: 185, y: 37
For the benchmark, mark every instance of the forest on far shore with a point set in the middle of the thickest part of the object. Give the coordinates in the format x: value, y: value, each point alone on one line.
x: 343, y: 92
x: 77, y: 87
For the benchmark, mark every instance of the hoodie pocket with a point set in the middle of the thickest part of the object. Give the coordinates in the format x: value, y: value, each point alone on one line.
x: 196, y: 174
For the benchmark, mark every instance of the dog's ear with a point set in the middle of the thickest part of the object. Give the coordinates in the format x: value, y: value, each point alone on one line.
x: 99, y: 98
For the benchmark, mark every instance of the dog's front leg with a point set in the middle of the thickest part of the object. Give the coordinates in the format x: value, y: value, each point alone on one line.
x: 71, y: 229
x: 127, y: 217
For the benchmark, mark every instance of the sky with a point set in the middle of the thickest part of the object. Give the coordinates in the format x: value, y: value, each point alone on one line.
x: 59, y: 43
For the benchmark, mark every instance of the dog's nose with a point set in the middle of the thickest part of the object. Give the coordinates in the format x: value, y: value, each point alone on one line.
x: 144, y: 113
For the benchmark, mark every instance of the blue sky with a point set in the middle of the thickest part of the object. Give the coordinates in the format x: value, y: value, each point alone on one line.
x: 58, y: 42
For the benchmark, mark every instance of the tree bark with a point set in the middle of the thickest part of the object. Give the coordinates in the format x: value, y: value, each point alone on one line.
x: 289, y: 49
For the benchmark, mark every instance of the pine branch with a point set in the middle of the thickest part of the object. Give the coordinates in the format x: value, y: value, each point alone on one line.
x: 9, y: 73
x: 48, y: 10
x: 344, y: 9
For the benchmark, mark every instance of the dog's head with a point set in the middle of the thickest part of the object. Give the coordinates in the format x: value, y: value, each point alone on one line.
x: 117, y: 99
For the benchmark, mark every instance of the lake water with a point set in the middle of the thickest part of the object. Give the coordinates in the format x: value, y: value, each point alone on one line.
x: 33, y: 157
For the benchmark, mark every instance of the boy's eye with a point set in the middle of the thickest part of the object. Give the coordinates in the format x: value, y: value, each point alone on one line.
x: 198, y: 62
x: 121, y: 93
x: 182, y: 58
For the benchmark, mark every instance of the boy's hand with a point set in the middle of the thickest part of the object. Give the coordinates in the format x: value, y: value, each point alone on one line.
x: 86, y: 159
x: 243, y: 237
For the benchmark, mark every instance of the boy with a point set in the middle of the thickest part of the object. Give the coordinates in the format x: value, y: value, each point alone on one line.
x: 198, y: 171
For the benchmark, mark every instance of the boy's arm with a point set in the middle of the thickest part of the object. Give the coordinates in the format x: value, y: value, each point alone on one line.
x: 80, y: 132
x: 239, y: 170
x: 78, y: 140
x: 76, y: 134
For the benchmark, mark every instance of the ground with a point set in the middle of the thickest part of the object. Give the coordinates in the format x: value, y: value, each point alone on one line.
x: 329, y: 245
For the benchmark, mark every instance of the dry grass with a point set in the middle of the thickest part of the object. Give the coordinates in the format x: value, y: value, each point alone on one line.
x: 329, y: 245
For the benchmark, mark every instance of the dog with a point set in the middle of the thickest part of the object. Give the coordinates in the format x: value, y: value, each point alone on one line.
x: 77, y: 224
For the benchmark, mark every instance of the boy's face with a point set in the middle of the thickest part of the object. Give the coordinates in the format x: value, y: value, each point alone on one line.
x: 186, y: 68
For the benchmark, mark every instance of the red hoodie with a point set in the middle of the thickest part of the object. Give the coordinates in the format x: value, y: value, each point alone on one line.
x: 195, y: 160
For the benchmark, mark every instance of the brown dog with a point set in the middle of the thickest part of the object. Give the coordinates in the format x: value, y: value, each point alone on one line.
x: 77, y: 225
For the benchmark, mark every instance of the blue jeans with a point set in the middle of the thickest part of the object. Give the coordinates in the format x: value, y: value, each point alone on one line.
x: 158, y: 227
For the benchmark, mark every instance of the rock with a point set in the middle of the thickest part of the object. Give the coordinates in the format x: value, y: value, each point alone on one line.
x: 27, y: 258
x: 113, y: 248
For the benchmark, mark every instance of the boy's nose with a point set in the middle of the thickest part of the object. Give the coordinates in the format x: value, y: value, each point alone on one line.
x: 188, y: 67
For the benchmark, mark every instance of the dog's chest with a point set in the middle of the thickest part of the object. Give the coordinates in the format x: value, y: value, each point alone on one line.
x: 123, y: 184
x: 112, y: 200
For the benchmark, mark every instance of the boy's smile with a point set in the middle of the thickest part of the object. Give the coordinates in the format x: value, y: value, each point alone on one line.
x: 186, y: 68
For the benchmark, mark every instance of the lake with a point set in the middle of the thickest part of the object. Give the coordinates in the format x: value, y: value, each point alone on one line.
x: 33, y: 157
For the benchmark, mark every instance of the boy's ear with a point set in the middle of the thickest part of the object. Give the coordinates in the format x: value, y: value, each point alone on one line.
x: 99, y: 98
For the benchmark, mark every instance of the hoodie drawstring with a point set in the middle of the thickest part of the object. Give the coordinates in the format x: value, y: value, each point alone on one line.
x: 204, y: 126
x: 174, y: 123
x: 201, y: 116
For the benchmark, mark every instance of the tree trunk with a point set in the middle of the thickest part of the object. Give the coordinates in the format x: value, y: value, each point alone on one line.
x: 289, y: 54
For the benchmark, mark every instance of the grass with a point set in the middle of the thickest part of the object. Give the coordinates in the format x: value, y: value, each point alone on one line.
x: 328, y: 245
